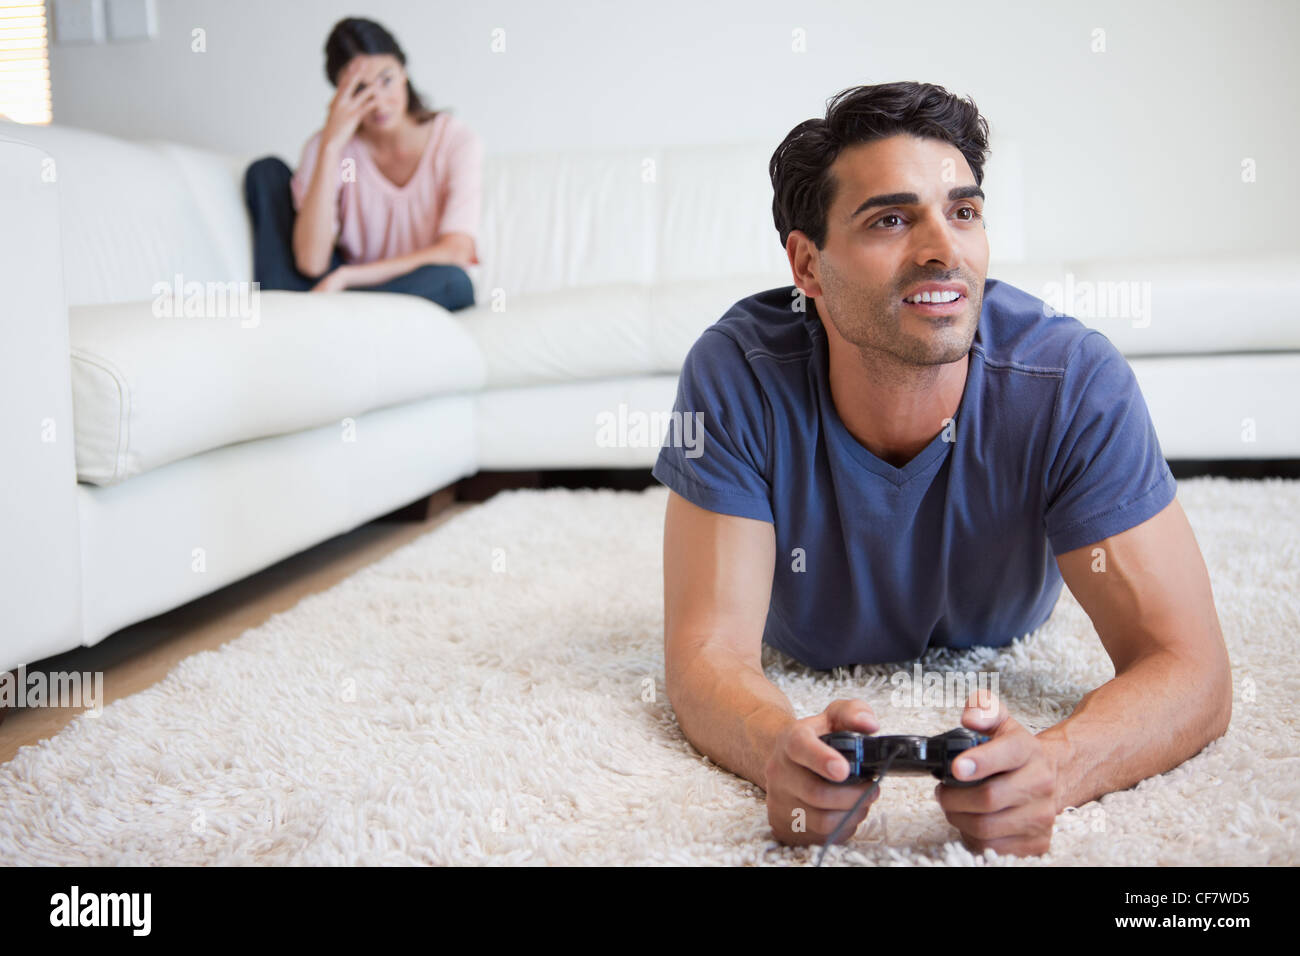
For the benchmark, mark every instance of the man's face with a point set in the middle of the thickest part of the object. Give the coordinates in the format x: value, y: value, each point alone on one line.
x: 906, y: 212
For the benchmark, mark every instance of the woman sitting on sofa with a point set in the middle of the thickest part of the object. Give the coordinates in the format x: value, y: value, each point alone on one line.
x: 387, y: 195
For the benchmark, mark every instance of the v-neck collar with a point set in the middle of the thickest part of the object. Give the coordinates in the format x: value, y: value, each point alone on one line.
x: 929, y: 456
x: 424, y: 155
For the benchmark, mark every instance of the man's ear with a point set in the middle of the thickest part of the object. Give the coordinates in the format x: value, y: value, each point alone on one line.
x: 802, y: 254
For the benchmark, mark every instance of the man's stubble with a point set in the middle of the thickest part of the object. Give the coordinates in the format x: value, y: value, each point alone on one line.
x: 872, y: 321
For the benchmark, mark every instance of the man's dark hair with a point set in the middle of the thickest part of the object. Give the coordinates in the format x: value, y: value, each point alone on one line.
x: 802, y: 185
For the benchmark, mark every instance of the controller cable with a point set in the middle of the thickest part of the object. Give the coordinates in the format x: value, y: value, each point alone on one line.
x: 875, y: 787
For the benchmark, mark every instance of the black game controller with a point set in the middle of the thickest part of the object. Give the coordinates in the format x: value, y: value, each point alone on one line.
x: 933, y: 755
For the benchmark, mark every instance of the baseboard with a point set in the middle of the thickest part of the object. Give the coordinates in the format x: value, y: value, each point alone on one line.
x: 422, y: 509
x: 485, y: 484
x: 1239, y: 468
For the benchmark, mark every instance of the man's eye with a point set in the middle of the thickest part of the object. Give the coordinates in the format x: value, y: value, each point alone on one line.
x: 974, y: 215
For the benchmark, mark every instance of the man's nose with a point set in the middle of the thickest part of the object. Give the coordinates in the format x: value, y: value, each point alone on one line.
x: 935, y: 240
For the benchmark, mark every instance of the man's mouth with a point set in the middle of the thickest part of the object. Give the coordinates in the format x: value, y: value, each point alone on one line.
x: 936, y: 303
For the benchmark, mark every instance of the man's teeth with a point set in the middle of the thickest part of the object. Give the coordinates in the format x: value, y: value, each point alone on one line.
x: 935, y: 297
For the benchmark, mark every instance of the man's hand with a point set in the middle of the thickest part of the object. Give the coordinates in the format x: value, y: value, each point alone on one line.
x: 336, y: 281
x: 802, y: 807
x: 1013, y: 811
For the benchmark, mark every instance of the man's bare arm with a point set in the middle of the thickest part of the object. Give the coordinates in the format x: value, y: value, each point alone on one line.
x: 1153, y: 608
x: 717, y: 584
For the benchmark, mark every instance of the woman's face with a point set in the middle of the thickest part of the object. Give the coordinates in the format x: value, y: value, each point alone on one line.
x: 389, y: 110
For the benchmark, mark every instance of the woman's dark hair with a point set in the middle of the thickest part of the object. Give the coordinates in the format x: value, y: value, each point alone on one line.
x: 353, y: 37
x: 802, y: 185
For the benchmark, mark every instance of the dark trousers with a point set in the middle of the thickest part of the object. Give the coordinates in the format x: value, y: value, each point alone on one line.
x: 266, y: 191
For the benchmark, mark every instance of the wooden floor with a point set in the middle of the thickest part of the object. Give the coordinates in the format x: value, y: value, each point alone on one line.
x: 141, y: 655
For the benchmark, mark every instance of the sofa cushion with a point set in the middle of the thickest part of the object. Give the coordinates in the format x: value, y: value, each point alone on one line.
x: 1156, y: 308
x: 1184, y: 306
x: 601, y: 331
x: 134, y: 213
x: 151, y: 389
x: 225, y: 221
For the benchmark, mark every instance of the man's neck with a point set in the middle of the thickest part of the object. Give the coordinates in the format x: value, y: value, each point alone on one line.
x: 893, y: 410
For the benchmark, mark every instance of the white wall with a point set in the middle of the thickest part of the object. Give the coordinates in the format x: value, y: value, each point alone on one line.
x: 1134, y: 151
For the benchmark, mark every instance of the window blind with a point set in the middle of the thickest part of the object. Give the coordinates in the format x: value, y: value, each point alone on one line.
x: 24, y: 61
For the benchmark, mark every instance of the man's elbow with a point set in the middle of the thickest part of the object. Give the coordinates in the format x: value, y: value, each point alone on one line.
x: 683, y: 692
x: 1208, y: 675
x: 1213, y: 693
x: 673, y: 686
x: 1223, y: 713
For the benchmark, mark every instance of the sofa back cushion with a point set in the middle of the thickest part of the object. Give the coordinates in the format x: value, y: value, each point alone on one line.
x: 138, y: 213
x: 134, y: 214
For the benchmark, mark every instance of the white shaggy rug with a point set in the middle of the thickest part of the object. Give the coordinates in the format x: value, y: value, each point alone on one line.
x: 493, y: 693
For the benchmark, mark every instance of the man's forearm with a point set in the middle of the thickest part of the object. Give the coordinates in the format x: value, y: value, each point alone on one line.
x: 730, y: 712
x: 1160, y: 711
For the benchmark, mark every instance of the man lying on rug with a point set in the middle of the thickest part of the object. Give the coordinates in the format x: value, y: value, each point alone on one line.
x: 890, y: 454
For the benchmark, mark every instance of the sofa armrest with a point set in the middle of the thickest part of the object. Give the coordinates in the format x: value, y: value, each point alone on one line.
x: 40, y: 561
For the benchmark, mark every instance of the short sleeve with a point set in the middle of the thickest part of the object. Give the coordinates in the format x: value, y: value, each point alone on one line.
x: 1105, y: 470
x: 464, y: 202
x: 715, y: 449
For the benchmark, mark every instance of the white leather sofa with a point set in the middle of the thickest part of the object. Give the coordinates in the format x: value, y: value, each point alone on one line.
x: 155, y: 457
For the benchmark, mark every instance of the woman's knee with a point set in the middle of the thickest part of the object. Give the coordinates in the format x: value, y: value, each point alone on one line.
x: 447, y: 285
x: 459, y: 289
x: 269, y: 172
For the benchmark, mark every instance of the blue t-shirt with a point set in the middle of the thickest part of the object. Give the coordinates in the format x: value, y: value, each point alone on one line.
x: 1052, y: 448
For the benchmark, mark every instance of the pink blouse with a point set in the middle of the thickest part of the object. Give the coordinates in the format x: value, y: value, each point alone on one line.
x: 378, y: 220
